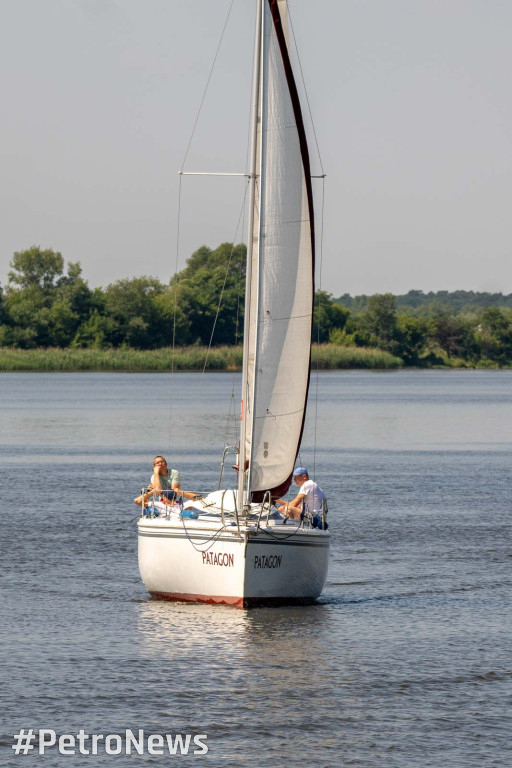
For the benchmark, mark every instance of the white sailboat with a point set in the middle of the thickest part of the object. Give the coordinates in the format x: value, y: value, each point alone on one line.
x: 232, y: 546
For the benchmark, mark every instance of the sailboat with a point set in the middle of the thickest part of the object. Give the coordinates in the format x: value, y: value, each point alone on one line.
x: 232, y: 546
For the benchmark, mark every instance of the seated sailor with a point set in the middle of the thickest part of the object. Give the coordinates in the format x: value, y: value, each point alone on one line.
x: 310, y: 499
x: 165, y: 484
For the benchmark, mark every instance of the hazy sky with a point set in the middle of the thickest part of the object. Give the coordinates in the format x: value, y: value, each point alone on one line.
x: 412, y: 106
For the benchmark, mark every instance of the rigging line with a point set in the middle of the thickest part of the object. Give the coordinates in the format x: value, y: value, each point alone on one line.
x: 317, y: 376
x: 228, y: 420
x: 280, y: 536
x: 211, y: 541
x: 321, y: 225
x: 241, y: 287
x: 207, y: 84
x: 305, y: 89
x: 175, y: 310
x: 284, y: 318
x: 224, y: 284
x: 274, y: 415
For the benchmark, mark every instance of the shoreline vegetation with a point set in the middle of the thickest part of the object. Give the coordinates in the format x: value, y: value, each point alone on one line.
x: 165, y: 360
x: 227, y: 358
x: 51, y: 320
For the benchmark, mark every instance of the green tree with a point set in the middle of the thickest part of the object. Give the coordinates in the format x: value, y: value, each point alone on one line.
x: 447, y: 332
x: 380, y: 321
x: 174, y: 314
x: 197, y: 291
x: 455, y: 335
x: 44, y: 305
x: 494, y: 332
x: 134, y: 317
x: 5, y: 324
x: 28, y: 317
x: 75, y: 290
x: 411, y: 337
x: 95, y: 331
x: 36, y: 268
x: 329, y: 318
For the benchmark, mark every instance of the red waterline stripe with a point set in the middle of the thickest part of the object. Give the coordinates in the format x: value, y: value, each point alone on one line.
x: 236, y: 602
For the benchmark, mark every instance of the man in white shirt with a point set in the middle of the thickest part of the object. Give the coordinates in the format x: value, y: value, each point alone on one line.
x: 310, y: 497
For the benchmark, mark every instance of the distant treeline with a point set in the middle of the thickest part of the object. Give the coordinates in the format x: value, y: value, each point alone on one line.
x: 420, y: 303
x: 47, y: 306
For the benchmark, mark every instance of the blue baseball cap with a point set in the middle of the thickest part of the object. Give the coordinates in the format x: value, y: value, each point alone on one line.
x: 300, y: 471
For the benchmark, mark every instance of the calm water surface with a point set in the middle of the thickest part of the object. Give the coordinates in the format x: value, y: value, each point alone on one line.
x: 404, y: 662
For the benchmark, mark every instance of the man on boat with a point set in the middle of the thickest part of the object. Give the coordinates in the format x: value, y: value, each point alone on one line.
x: 165, y: 483
x: 310, y: 499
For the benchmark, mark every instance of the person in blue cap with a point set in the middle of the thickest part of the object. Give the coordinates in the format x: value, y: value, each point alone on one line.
x: 310, y: 497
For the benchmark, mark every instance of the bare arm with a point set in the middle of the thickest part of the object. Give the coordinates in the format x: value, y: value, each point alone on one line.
x: 296, y: 501
x: 185, y: 494
x: 157, y: 483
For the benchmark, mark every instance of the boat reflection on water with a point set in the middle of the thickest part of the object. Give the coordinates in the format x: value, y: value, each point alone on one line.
x: 290, y: 636
x: 171, y: 629
x: 262, y: 677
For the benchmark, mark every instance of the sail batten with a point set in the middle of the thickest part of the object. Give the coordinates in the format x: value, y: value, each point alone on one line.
x: 282, y: 266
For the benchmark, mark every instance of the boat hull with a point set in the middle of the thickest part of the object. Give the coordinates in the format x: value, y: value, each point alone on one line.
x: 242, y: 568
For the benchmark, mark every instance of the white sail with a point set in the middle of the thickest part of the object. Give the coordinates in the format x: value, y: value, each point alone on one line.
x: 282, y: 269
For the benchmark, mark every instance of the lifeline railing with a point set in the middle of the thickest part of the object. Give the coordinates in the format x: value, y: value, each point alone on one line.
x: 228, y: 449
x: 324, y: 513
x: 307, y: 517
x: 235, y: 505
x: 152, y: 494
x: 267, y: 498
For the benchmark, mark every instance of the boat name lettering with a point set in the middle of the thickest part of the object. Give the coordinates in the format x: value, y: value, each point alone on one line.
x: 220, y: 558
x: 267, y: 561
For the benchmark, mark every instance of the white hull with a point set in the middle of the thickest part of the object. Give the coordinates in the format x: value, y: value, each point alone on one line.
x: 205, y: 561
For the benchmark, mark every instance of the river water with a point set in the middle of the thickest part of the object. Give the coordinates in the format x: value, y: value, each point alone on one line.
x: 404, y: 661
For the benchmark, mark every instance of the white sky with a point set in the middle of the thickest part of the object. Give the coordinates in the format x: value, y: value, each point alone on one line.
x: 412, y: 104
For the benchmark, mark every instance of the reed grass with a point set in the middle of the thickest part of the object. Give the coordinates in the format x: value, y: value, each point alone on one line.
x: 336, y: 357
x: 324, y: 357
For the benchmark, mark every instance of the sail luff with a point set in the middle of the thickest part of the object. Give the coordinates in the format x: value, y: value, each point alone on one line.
x: 275, y: 6
x: 301, y: 130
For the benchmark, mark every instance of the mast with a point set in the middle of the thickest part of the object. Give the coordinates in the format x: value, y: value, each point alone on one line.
x: 257, y: 76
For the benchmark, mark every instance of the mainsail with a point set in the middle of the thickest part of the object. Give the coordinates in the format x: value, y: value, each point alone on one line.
x: 281, y: 272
